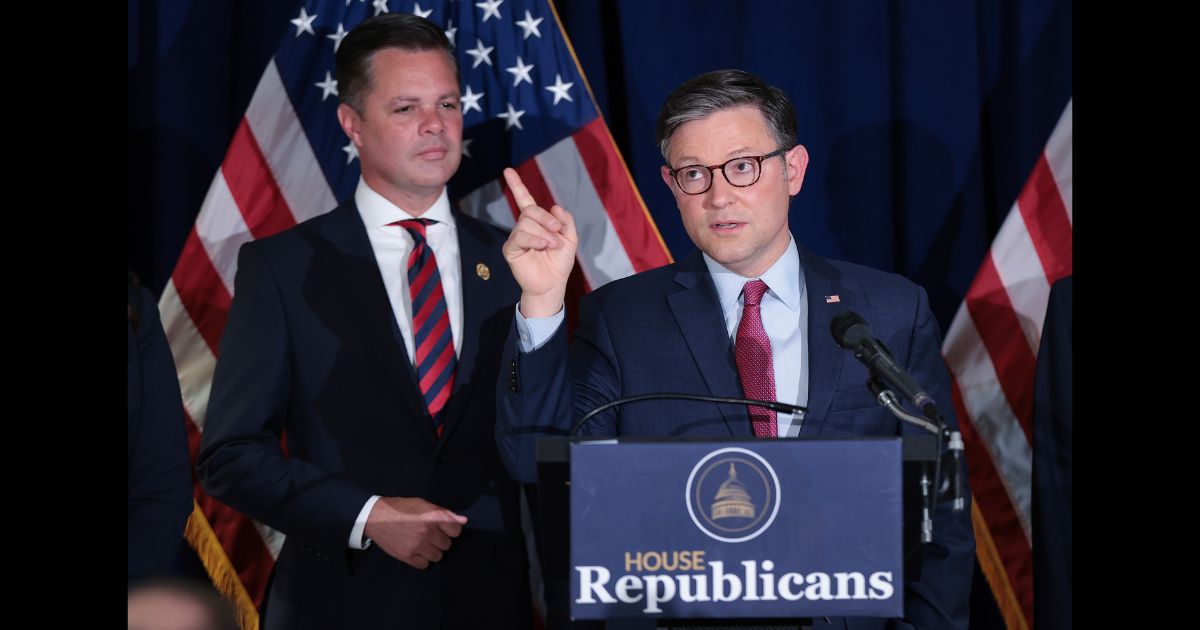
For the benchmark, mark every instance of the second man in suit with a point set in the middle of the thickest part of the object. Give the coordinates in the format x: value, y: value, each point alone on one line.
x: 369, y: 339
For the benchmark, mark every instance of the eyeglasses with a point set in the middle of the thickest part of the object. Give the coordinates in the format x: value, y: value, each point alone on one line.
x: 740, y: 172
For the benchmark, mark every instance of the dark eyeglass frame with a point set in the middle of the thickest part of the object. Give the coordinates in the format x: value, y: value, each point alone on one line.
x: 675, y: 172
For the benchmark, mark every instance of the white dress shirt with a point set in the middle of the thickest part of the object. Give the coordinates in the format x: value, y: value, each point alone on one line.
x: 784, y: 311
x: 391, y: 245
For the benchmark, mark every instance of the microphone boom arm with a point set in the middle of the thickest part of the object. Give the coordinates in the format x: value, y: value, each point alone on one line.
x: 778, y: 407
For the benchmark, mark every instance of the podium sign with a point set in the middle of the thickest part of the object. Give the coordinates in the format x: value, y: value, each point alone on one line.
x: 755, y: 529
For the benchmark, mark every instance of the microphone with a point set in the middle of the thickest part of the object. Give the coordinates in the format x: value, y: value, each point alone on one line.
x: 850, y: 331
x: 952, y: 464
x: 778, y: 407
x: 956, y: 448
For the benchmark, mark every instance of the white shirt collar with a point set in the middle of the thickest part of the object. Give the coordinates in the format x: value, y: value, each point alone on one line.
x: 377, y: 211
x: 782, y: 278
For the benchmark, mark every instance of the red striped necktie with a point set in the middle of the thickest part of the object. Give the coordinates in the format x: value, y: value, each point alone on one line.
x: 434, y: 356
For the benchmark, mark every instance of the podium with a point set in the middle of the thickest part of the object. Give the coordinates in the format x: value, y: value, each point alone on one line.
x: 704, y: 533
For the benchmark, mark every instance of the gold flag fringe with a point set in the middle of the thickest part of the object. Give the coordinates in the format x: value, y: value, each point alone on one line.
x: 220, y: 570
x: 993, y: 569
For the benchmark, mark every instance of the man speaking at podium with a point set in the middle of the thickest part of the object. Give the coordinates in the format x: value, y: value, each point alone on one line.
x: 747, y: 315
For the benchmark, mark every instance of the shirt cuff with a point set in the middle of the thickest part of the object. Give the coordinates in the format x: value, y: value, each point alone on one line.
x: 356, y: 535
x: 534, y: 332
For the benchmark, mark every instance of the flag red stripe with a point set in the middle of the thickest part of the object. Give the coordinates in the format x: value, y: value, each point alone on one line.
x: 1045, y: 215
x: 625, y: 209
x: 201, y: 291
x: 998, y: 326
x: 994, y: 502
x: 577, y: 287
x: 253, y: 186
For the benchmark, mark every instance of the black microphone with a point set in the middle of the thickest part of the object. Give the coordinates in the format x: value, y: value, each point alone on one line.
x: 850, y: 331
x: 775, y: 405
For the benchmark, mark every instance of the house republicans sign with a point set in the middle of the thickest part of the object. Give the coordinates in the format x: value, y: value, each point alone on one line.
x: 738, y: 529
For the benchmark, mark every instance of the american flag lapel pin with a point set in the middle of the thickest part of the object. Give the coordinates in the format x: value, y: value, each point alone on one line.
x: 832, y: 299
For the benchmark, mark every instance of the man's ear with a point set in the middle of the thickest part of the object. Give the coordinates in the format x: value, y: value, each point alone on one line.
x: 666, y: 176
x: 351, y: 123
x: 797, y: 162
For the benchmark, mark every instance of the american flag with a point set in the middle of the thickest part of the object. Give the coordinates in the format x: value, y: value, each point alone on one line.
x: 525, y: 103
x: 991, y: 348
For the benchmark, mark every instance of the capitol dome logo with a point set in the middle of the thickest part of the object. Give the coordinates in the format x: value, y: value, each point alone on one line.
x: 733, y: 494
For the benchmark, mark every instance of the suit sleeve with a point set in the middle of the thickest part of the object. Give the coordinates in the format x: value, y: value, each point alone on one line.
x: 241, y: 461
x: 1052, y: 486
x: 543, y: 392
x: 533, y: 400
x: 940, y: 598
x: 159, y: 473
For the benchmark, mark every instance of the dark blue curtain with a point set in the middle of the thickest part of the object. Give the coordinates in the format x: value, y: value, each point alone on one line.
x: 192, y: 68
x: 922, y: 119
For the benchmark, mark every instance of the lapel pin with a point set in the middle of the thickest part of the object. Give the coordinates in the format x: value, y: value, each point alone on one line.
x: 482, y: 271
x: 832, y: 299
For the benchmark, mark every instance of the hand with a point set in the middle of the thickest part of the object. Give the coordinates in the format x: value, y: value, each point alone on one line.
x: 540, y: 250
x: 412, y: 530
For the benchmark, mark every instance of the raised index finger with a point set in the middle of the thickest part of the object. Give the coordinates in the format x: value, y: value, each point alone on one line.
x: 520, y: 192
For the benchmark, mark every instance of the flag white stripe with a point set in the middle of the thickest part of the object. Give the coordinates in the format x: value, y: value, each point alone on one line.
x: 601, y: 255
x: 1058, y: 156
x: 272, y: 538
x: 194, y: 362
x: 286, y: 148
x: 1022, y: 275
x: 488, y: 204
x: 990, y: 414
x: 222, y: 230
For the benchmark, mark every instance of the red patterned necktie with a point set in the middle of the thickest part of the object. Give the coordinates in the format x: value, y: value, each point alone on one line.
x: 434, y: 356
x: 752, y: 351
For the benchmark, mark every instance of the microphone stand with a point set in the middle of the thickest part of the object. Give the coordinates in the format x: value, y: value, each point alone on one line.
x: 951, y: 439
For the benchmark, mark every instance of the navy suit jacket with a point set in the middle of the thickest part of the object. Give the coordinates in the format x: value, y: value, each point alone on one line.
x: 1053, y: 442
x: 662, y: 331
x: 312, y: 352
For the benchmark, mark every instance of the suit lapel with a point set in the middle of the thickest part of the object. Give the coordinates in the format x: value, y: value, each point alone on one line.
x: 825, y: 357
x: 355, y: 276
x: 481, y: 297
x: 697, y: 312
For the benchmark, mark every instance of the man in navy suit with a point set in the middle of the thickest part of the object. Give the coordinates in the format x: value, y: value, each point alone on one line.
x: 747, y: 314
x: 368, y: 339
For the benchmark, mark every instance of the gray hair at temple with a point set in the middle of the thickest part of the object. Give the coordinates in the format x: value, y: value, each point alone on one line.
x: 719, y: 90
